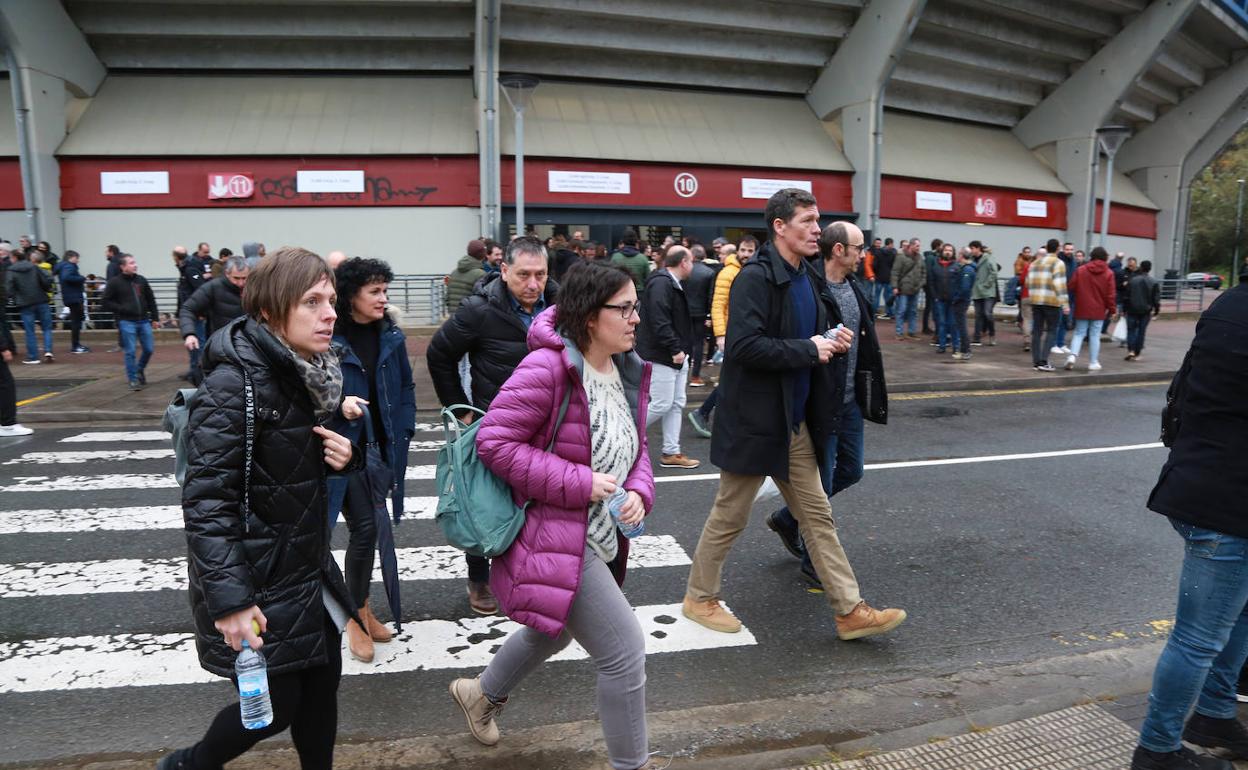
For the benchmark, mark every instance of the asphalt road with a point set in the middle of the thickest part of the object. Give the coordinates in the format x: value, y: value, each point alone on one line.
x: 996, y: 562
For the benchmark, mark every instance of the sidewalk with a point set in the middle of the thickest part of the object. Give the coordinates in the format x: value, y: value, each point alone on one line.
x: 92, y: 387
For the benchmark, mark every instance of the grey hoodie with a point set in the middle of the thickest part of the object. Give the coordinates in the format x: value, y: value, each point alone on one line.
x: 27, y: 284
x: 251, y: 250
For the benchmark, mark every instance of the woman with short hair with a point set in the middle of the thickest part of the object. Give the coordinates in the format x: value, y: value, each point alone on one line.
x: 254, y: 503
x: 561, y: 577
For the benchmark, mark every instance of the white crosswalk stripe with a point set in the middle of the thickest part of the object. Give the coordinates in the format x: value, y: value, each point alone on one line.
x: 97, y: 560
x: 124, y: 575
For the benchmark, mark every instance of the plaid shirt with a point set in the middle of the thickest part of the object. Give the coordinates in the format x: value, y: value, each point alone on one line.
x: 1046, y: 282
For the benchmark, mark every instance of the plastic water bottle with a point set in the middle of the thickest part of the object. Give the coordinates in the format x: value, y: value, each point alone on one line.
x: 614, y: 503
x: 253, y: 688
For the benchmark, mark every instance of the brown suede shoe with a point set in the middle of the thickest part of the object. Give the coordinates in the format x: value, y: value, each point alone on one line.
x: 359, y: 643
x: 376, y: 629
x: 482, y: 599
x: 711, y: 614
x: 678, y: 461
x: 865, y: 620
x: 478, y: 709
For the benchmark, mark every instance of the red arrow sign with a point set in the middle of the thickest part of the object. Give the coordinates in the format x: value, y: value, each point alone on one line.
x: 230, y: 185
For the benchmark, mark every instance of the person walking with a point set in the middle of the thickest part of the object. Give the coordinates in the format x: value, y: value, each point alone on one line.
x: 490, y: 329
x: 27, y: 286
x: 908, y: 279
x: 214, y: 304
x: 73, y: 295
x: 962, y: 286
x: 1046, y: 293
x: 561, y: 577
x: 9, y: 426
x: 776, y: 410
x: 471, y: 267
x: 631, y: 259
x: 254, y: 503
x: 843, y: 453
x: 700, y: 418
x: 664, y: 338
x: 699, y: 290
x: 1092, y: 287
x: 1143, y: 303
x: 376, y: 372
x: 940, y: 285
x: 129, y: 298
x: 1207, y: 648
x: 930, y: 258
x: 882, y: 267
x: 984, y: 295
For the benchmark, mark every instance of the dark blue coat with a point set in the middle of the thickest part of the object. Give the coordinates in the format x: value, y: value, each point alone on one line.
x: 72, y: 282
x: 396, y: 403
x: 962, y: 281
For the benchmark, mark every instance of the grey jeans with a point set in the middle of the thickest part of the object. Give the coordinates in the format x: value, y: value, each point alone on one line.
x: 602, y: 621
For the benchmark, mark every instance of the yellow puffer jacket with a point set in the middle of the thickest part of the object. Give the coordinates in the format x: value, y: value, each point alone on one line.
x: 719, y: 300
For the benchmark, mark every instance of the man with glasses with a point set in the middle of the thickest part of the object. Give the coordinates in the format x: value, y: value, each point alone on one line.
x: 491, y: 327
x: 665, y: 338
x: 782, y: 404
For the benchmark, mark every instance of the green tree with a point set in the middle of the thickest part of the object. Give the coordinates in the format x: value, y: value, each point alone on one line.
x: 1211, y: 223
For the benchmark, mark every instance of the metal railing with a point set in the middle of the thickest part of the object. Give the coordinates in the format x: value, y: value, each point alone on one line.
x: 421, y: 298
x: 1178, y: 295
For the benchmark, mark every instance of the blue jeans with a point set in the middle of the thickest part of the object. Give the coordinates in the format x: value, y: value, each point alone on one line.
x: 142, y: 330
x: 842, y: 466
x: 1201, y: 662
x: 42, y: 313
x: 1137, y: 325
x: 1061, y: 330
x: 905, y: 307
x: 201, y: 331
x: 881, y: 294
x: 940, y: 312
x: 948, y: 334
x: 1092, y: 330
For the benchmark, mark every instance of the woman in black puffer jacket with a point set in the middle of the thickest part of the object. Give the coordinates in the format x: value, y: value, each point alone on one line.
x: 259, y: 552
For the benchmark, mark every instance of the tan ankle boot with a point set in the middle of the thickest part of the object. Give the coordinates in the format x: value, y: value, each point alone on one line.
x: 478, y: 709
x: 376, y: 629
x: 359, y: 643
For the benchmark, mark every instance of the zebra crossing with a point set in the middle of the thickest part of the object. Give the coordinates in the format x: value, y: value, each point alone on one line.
x: 97, y: 525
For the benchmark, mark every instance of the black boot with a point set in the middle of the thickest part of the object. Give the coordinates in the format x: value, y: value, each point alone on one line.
x: 1183, y: 759
x: 1226, y: 734
x: 179, y: 759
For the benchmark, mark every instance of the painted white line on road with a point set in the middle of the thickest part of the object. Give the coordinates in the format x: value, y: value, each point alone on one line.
x: 107, y: 481
x: 140, y: 660
x: 67, y: 520
x: 101, y: 455
x: 112, y: 436
x: 953, y: 460
x: 135, y: 575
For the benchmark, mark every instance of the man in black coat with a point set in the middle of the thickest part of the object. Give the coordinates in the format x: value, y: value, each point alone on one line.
x: 665, y: 337
x: 212, y: 306
x: 773, y: 414
x: 491, y: 327
x: 1201, y: 490
x: 129, y: 299
x: 699, y: 287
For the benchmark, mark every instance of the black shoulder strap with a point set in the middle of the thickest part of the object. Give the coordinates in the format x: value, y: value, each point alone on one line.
x: 249, y: 398
x: 563, y: 411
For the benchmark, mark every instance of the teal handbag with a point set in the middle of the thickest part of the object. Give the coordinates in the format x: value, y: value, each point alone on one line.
x: 476, y: 512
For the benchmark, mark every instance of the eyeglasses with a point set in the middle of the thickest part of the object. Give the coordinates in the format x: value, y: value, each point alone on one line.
x: 859, y: 246
x: 627, y: 309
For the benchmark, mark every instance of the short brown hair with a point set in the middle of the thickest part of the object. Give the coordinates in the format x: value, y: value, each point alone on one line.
x: 276, y: 285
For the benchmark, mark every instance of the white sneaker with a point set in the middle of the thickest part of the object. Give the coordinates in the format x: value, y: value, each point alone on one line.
x: 1065, y: 350
x: 1070, y: 363
x: 1055, y: 350
x: 15, y: 429
x: 1094, y: 367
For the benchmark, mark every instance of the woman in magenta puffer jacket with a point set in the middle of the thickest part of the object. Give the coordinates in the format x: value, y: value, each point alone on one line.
x: 561, y: 577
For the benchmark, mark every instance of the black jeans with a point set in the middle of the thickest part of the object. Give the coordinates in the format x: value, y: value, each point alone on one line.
x: 478, y: 568
x: 928, y: 326
x: 8, y: 394
x: 362, y: 544
x: 306, y: 701
x: 1044, y: 321
x: 700, y: 330
x: 959, y: 317
x: 984, y: 322
x: 76, y: 317
x: 709, y: 404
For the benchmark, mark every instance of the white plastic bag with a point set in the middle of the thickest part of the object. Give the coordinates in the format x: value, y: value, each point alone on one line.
x: 1119, y: 333
x: 768, y: 491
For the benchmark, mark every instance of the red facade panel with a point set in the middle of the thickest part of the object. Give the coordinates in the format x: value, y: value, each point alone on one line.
x: 902, y: 198
x: 11, y: 198
x: 1131, y: 221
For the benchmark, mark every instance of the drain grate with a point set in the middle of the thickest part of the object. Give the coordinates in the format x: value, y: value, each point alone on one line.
x: 1079, y: 738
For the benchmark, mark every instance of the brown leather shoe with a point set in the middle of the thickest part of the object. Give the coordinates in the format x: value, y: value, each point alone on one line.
x: 711, y: 614
x: 482, y: 599
x: 865, y: 620
x: 359, y: 643
x: 478, y: 709
x: 376, y: 629
x: 678, y: 461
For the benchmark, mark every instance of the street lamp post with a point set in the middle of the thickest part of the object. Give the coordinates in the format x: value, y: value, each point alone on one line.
x: 1110, y: 139
x: 519, y: 92
x: 1239, y: 230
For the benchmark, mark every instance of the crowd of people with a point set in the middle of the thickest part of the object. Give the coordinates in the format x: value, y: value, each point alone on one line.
x: 571, y: 353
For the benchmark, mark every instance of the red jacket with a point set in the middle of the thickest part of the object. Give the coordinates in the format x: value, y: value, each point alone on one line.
x: 1092, y: 288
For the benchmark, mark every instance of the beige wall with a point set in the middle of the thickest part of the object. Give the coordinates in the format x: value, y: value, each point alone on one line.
x: 13, y: 224
x: 413, y: 240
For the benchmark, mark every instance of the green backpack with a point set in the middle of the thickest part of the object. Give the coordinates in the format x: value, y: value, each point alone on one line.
x: 475, y: 510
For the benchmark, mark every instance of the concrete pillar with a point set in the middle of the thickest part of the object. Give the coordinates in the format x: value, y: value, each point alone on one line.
x: 862, y: 127
x: 485, y: 86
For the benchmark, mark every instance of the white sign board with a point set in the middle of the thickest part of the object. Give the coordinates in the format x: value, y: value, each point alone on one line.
x: 1028, y: 208
x: 134, y: 182
x: 329, y: 181
x: 762, y: 189
x: 933, y: 201
x: 598, y: 182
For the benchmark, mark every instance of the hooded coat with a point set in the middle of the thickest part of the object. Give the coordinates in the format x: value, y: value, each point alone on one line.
x: 537, y: 578
x: 1093, y: 288
x: 276, y: 555
x: 27, y: 284
x: 462, y: 282
x: 635, y: 263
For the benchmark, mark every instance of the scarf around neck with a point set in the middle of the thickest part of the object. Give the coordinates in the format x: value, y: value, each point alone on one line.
x: 322, y: 377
